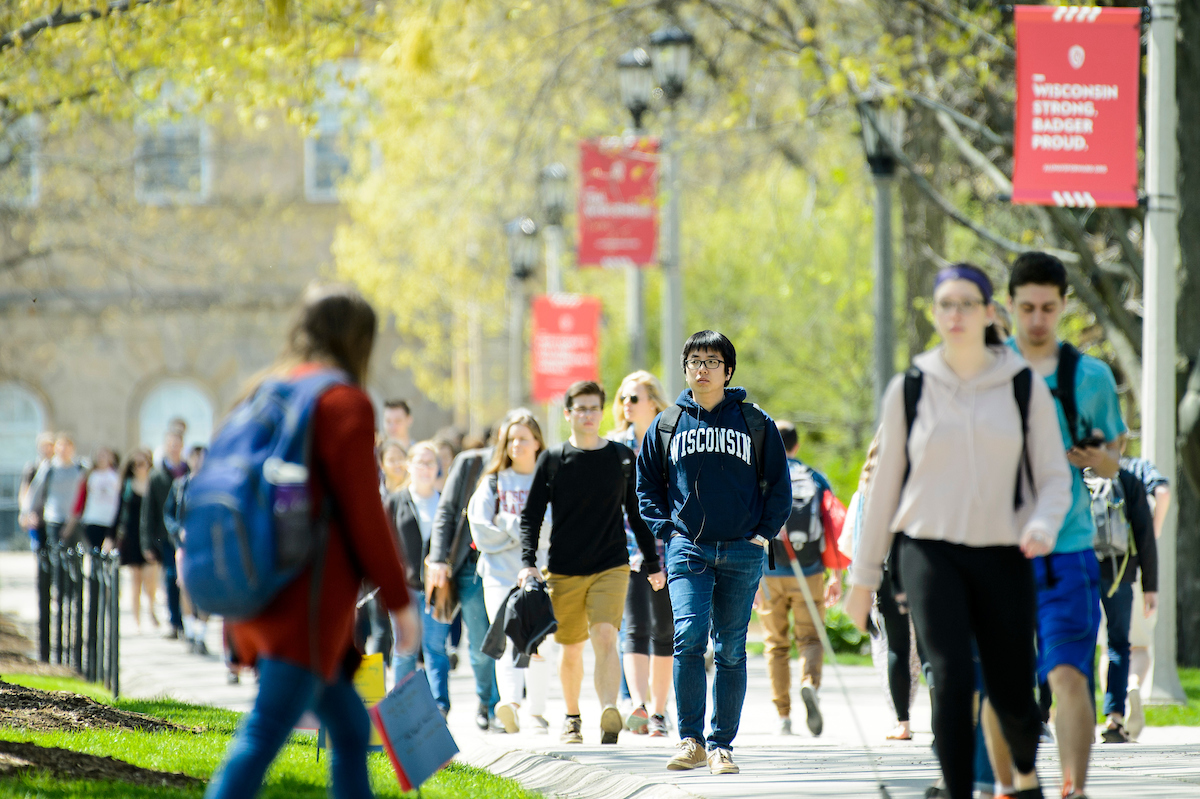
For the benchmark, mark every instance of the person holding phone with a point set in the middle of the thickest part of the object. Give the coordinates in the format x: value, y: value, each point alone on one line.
x: 1068, y: 579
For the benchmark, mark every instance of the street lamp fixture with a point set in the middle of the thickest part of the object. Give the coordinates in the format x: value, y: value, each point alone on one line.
x: 554, y: 193
x: 672, y: 49
x: 636, y: 76
x: 522, y: 247
x: 879, y: 132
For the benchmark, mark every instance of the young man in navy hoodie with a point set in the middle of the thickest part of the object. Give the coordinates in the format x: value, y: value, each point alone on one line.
x: 716, y: 499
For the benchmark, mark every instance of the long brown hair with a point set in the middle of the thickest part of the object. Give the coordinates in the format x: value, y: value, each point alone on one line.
x: 126, y: 470
x: 501, y: 460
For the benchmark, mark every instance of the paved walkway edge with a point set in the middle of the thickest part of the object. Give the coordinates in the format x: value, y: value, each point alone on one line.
x: 555, y: 776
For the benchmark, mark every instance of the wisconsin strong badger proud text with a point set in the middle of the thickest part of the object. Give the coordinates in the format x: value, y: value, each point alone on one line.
x: 711, y: 439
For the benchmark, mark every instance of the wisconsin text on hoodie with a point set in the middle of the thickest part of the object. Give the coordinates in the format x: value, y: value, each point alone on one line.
x: 711, y: 439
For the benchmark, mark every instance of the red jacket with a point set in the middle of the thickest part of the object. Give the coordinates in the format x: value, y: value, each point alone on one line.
x: 343, y: 460
x: 833, y: 518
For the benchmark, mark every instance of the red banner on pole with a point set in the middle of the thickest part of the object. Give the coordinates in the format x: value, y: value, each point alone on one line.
x: 618, y: 201
x: 1078, y: 70
x: 566, y: 343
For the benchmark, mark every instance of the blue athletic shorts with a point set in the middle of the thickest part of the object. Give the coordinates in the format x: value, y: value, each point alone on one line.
x: 1068, y: 613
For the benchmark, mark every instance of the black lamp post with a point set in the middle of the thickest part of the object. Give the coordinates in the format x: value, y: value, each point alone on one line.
x: 636, y: 76
x: 522, y: 259
x: 671, y: 49
x: 879, y: 129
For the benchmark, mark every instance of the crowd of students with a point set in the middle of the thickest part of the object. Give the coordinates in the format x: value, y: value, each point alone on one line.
x: 974, y: 539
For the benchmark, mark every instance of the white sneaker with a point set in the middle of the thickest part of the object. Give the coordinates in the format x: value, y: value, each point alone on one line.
x: 720, y: 761
x: 507, y: 716
x: 1135, y: 719
x: 785, y: 726
x: 541, y: 726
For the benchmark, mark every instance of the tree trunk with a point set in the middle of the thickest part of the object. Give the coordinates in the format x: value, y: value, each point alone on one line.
x: 924, y: 226
x: 1188, y: 321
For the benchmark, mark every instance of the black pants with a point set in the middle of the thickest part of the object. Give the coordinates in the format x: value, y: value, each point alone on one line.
x: 649, y: 622
x: 899, y: 645
x: 955, y: 591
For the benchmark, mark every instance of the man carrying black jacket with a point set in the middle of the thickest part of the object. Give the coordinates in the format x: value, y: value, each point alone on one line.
x: 589, y: 481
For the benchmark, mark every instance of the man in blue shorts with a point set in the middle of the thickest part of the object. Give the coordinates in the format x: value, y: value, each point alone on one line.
x: 1068, y: 579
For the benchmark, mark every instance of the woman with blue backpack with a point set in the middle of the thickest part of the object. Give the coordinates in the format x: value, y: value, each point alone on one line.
x: 302, y: 640
x: 972, y: 482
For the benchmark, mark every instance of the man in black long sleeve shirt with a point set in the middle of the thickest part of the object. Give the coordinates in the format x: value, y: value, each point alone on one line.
x: 589, y: 482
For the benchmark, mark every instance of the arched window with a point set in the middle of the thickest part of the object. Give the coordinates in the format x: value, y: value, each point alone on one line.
x: 21, y: 419
x: 172, y: 399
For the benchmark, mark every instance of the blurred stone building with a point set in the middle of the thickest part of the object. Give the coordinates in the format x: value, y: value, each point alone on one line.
x: 149, y: 268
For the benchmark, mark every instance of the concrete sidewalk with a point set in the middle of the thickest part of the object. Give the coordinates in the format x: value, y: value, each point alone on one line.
x: 1164, y: 764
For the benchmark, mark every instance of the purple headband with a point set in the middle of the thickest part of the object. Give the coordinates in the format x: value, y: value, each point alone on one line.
x: 966, y: 272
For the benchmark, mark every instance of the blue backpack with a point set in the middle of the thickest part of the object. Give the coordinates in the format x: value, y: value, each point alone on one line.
x: 249, y: 525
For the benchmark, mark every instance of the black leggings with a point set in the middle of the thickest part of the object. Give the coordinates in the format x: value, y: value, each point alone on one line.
x: 955, y: 591
x: 899, y: 645
x: 649, y: 623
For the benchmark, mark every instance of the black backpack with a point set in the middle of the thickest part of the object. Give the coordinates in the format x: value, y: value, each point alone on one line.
x: 914, y: 381
x: 1064, y: 392
x: 805, y: 530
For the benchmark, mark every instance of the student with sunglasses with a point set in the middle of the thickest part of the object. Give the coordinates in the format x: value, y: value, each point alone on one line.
x: 649, y: 625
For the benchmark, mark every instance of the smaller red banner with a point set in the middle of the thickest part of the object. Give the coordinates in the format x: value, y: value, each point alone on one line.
x: 566, y: 343
x: 618, y: 201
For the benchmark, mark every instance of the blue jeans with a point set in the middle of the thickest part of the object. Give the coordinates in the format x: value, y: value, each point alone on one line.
x: 171, y: 584
x: 1117, y: 610
x: 475, y: 617
x: 437, y: 662
x: 712, y: 588
x: 285, y: 691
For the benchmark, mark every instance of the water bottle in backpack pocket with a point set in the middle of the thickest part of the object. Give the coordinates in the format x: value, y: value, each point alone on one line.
x: 1111, y: 539
x: 251, y: 527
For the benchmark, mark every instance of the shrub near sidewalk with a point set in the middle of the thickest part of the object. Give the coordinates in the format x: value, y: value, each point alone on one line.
x: 197, y: 749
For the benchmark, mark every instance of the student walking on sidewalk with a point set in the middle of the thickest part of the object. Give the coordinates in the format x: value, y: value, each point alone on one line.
x: 815, y: 525
x: 976, y: 484
x: 495, y: 516
x: 1068, y: 578
x: 335, y: 330
x: 590, y: 482
x: 716, y: 490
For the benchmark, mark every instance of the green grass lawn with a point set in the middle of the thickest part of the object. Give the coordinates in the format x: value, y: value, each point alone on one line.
x: 295, y: 773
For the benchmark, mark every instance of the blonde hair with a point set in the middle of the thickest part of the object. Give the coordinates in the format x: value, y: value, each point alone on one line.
x: 654, y: 391
x: 501, y: 460
x: 424, y: 446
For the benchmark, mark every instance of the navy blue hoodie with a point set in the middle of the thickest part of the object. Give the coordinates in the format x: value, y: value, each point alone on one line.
x: 713, y: 492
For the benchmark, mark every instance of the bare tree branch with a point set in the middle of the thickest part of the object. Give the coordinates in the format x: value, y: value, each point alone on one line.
x: 58, y: 19
x: 961, y: 118
x: 969, y: 27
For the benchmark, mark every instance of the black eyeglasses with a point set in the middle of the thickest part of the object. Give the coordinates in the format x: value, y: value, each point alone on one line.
x: 712, y: 364
x: 632, y: 399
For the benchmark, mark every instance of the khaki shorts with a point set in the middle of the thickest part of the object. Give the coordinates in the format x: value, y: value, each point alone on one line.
x: 583, y: 600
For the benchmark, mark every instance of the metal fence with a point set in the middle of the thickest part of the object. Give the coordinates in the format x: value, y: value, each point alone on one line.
x: 79, y: 610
